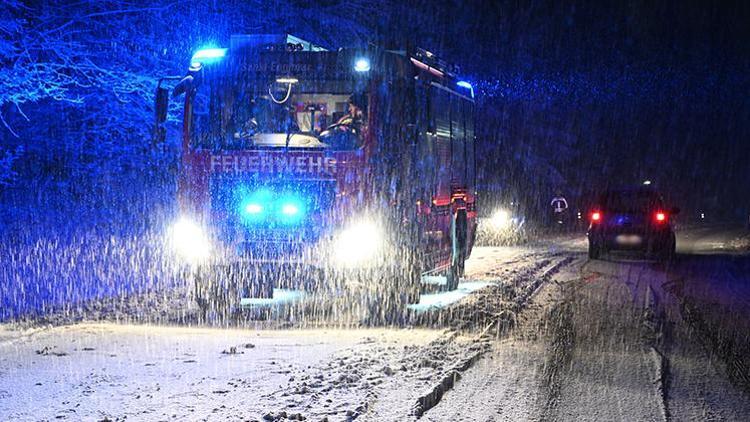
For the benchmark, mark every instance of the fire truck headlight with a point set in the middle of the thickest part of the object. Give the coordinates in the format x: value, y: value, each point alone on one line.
x: 358, y: 245
x: 189, y: 240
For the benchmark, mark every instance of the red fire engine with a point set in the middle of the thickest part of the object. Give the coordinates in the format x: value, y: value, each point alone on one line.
x: 307, y: 166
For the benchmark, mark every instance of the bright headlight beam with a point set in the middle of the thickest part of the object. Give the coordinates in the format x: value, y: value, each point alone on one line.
x: 500, y: 219
x: 358, y: 244
x: 362, y: 65
x: 291, y: 209
x: 189, y: 240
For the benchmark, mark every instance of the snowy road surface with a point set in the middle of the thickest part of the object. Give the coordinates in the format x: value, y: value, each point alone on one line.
x: 534, y: 333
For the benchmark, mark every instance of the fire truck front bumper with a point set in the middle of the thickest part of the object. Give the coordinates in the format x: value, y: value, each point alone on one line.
x: 309, y: 270
x: 354, y: 251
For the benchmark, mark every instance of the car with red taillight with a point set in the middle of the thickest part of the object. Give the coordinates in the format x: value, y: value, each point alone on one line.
x: 632, y: 218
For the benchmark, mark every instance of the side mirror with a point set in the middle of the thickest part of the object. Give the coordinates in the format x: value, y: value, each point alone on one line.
x: 183, y: 86
x: 162, y: 104
x: 675, y: 210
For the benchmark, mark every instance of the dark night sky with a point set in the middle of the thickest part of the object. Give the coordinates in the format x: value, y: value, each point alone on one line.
x: 639, y: 89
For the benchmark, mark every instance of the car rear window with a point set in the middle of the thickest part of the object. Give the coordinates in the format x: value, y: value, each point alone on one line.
x: 629, y: 201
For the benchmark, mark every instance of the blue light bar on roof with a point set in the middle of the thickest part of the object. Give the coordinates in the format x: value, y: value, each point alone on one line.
x: 209, y: 53
x: 464, y: 84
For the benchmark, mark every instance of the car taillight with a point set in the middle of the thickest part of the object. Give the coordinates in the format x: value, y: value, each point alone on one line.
x: 596, y: 217
x: 660, y: 217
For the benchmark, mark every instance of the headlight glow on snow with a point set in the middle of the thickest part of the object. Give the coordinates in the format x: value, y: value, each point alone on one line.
x: 189, y: 240
x: 358, y: 244
x: 500, y: 219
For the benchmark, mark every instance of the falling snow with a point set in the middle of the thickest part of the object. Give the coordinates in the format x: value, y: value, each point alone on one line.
x: 357, y: 222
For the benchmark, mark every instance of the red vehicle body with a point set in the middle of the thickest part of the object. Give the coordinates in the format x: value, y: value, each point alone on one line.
x: 300, y: 163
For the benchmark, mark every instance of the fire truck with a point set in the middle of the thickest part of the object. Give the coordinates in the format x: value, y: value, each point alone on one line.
x: 304, y: 167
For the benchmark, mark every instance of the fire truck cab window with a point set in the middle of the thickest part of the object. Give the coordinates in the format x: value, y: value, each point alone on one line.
x: 294, y: 115
x: 346, y: 130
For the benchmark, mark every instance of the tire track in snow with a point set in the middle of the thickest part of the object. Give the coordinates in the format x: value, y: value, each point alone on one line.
x: 655, y: 333
x: 559, y: 356
x: 528, y: 284
x: 597, y: 333
x: 715, y: 340
x: 654, y: 322
x: 733, y: 356
x: 497, y: 305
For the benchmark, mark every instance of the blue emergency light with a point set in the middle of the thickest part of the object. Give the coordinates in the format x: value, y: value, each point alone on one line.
x: 464, y: 84
x: 290, y: 210
x: 263, y: 206
x: 253, y: 208
x: 253, y: 205
x: 209, y: 54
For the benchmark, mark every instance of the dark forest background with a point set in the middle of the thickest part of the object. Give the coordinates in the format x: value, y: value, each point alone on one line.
x: 574, y: 95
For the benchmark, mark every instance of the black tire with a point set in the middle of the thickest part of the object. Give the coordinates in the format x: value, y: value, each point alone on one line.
x: 200, y: 297
x: 594, y: 250
x: 452, y: 278
x: 254, y: 281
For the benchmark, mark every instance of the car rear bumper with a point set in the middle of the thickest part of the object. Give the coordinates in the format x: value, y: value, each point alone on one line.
x: 631, y: 240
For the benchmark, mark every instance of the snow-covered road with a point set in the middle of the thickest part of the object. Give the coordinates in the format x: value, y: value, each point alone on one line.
x: 534, y: 333
x: 623, y: 339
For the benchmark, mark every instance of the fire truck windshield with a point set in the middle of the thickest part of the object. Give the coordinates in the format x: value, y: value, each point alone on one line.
x: 286, y: 114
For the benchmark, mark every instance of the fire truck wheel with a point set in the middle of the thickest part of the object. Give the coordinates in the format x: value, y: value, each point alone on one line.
x: 413, y: 293
x: 452, y: 278
x: 388, y: 307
